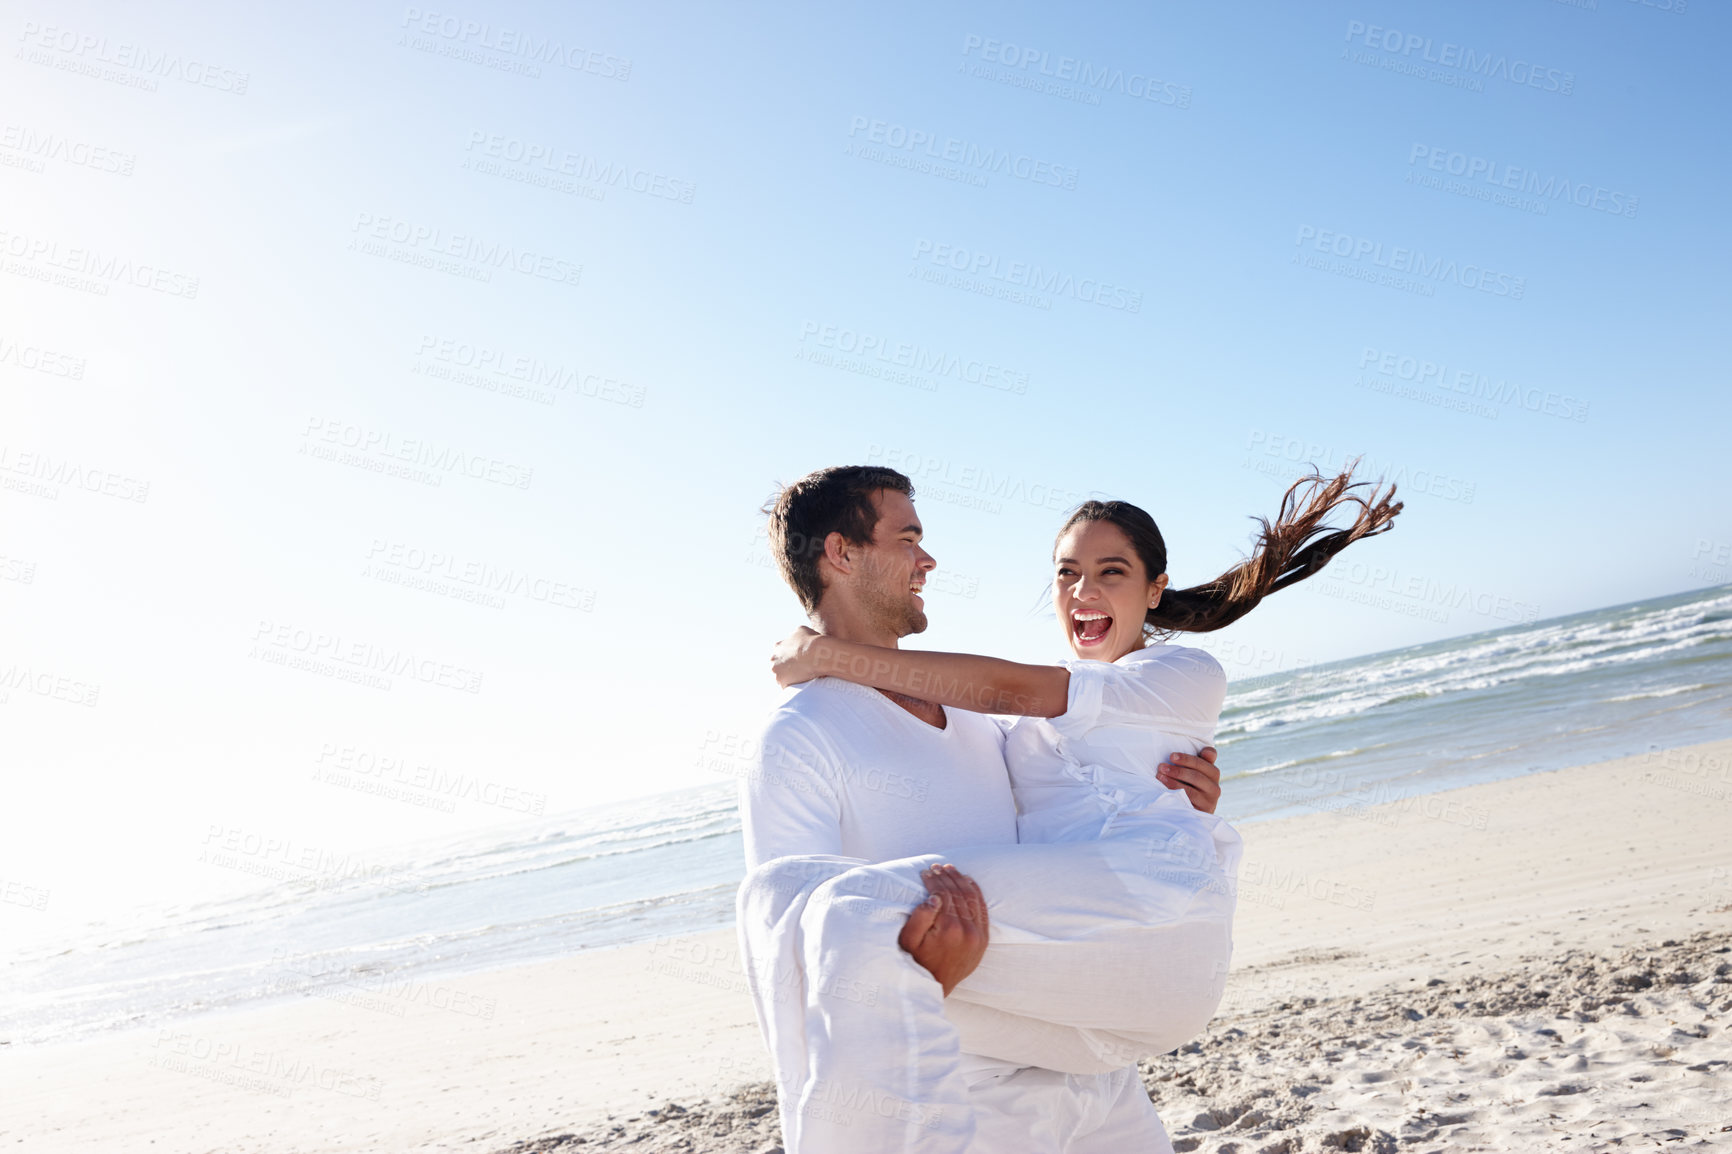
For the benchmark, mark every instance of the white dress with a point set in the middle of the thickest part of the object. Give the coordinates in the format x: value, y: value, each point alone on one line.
x: 1135, y: 872
x: 1089, y: 774
x: 1111, y: 935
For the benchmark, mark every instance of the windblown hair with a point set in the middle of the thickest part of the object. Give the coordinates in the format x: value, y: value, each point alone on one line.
x: 835, y: 500
x: 1299, y: 543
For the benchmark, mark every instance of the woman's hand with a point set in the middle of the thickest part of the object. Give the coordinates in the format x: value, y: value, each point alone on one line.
x: 792, y: 661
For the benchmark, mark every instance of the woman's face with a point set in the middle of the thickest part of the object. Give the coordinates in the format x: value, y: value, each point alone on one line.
x: 1101, y: 591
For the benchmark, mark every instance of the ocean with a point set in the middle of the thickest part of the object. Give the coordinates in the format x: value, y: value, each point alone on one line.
x: 1391, y: 727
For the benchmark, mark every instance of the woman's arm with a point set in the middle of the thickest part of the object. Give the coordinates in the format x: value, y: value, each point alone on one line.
x: 962, y: 680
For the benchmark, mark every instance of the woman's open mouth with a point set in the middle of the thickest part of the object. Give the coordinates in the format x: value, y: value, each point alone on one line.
x: 1090, y: 627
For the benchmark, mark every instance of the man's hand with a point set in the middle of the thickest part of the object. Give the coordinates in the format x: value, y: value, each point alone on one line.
x: 792, y: 660
x: 1197, y: 776
x: 947, y: 934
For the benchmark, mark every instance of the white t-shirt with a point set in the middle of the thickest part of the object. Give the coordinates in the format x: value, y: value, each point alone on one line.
x: 1071, y: 772
x: 844, y: 770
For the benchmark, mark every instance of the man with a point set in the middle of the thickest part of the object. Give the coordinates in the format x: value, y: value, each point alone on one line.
x: 855, y: 785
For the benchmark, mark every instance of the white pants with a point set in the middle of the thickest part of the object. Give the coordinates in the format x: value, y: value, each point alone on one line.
x: 1030, y: 1109
x: 1100, y: 952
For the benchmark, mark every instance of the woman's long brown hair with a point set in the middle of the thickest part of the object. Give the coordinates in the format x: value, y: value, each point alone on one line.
x: 1297, y: 544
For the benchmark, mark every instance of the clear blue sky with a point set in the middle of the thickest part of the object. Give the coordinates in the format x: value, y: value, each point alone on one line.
x: 1476, y: 243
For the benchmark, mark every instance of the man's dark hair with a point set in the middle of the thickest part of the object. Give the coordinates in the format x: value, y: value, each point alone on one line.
x: 835, y: 500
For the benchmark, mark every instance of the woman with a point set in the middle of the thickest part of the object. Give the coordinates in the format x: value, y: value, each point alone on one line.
x: 1111, y: 920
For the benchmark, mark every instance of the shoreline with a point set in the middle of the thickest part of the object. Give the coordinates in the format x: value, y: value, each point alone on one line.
x: 1438, y: 802
x: 1589, y: 862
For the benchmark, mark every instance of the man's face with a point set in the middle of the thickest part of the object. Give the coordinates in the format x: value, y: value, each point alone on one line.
x: 891, y: 571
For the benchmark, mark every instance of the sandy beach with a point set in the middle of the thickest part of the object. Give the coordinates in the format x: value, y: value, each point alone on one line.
x: 1543, y: 963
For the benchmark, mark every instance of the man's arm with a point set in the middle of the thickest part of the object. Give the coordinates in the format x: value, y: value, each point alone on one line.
x: 787, y: 802
x: 1197, y: 776
x: 788, y: 808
